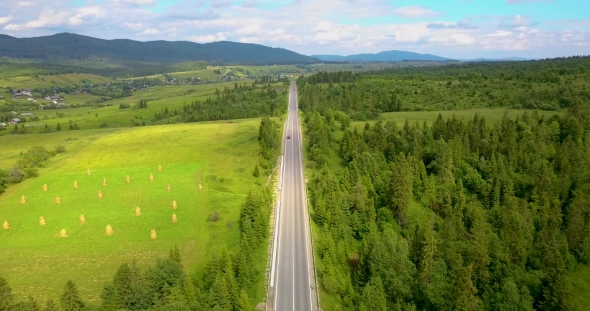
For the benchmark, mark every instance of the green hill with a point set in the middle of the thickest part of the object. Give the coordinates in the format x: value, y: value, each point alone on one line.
x: 73, y: 46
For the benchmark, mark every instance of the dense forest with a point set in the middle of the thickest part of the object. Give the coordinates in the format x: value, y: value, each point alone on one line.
x: 456, y: 215
x: 548, y: 85
x: 239, y: 102
x: 226, y: 284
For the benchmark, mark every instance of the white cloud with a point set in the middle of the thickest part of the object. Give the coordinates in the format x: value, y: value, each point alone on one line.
x: 24, y: 4
x: 415, y: 11
x: 133, y: 2
x: 6, y: 19
x: 248, y: 29
x: 208, y: 38
x: 151, y: 31
x: 134, y: 26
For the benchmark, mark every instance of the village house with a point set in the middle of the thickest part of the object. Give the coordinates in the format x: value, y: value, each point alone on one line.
x: 2, y: 124
x: 14, y: 121
x: 61, y: 105
x: 27, y: 114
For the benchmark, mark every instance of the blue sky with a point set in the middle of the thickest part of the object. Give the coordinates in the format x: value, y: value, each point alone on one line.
x: 451, y: 28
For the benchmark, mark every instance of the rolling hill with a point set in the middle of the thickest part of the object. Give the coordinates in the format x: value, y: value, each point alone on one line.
x: 73, y: 46
x: 386, y: 56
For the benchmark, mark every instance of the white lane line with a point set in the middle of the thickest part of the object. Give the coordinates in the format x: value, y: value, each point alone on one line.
x: 274, y: 252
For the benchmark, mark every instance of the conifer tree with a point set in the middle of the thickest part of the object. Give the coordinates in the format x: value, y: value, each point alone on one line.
x: 70, y: 298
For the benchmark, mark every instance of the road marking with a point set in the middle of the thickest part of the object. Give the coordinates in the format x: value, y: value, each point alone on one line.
x: 276, y: 243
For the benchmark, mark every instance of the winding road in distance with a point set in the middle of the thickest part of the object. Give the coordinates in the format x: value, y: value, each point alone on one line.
x: 292, y: 272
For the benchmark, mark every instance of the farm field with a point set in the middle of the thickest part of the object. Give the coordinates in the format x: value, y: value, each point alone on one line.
x: 217, y: 156
x: 158, y: 97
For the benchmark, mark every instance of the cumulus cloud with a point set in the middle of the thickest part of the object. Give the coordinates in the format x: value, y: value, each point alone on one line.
x: 516, y: 21
x: 133, y: 2
x: 151, y: 31
x: 415, y: 11
x: 5, y: 19
x: 207, y: 38
x: 463, y: 24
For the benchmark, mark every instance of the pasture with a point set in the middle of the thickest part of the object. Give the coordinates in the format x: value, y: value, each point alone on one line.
x: 208, y: 167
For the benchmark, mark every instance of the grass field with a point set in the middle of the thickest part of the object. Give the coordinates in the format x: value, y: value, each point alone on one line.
x: 218, y: 156
x: 158, y: 98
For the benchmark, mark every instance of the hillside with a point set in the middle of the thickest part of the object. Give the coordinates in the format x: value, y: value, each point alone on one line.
x: 386, y: 56
x: 73, y: 46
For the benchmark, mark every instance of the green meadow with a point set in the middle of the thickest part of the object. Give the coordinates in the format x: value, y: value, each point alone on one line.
x: 207, y: 165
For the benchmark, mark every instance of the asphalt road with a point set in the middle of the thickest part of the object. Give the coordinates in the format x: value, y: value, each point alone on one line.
x: 293, y: 265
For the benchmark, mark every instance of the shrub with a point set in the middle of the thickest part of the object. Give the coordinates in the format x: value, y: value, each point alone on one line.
x: 215, y: 217
x: 103, y: 125
x: 124, y: 106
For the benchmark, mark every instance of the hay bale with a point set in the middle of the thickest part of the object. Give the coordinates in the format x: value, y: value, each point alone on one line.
x: 63, y: 233
x: 200, y: 187
x: 23, y: 200
x: 100, y: 195
x: 159, y: 168
x: 45, y: 188
x: 153, y: 234
x: 151, y: 177
x: 128, y: 180
x: 88, y: 172
x: 168, y: 188
x: 75, y: 184
x: 82, y: 219
x: 137, y: 211
x: 104, y: 181
x: 42, y: 221
x: 174, y: 219
x: 174, y: 206
x: 58, y: 200
x: 108, y: 230
x: 5, y: 225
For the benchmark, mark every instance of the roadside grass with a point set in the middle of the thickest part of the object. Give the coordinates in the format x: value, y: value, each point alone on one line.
x: 219, y: 156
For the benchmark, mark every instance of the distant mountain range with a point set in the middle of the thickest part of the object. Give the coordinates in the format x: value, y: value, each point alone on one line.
x: 503, y: 59
x: 386, y: 56
x: 398, y: 56
x: 73, y: 46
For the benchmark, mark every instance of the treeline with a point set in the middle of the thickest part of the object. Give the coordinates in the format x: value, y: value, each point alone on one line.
x: 458, y: 215
x: 27, y: 166
x: 239, y: 102
x: 547, y: 85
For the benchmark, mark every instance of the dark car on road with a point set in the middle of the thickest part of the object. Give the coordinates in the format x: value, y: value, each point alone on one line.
x: 288, y: 136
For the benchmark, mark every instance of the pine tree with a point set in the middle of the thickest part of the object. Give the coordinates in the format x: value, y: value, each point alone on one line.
x: 175, y: 254
x: 50, y: 306
x: 243, y: 303
x: 256, y: 172
x: 219, y: 295
x: 399, y: 190
x: 373, y: 296
x: 58, y: 127
x: 6, y: 297
x: 70, y: 299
